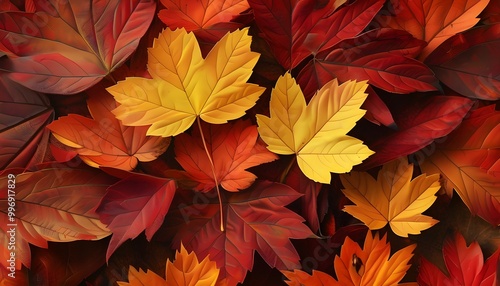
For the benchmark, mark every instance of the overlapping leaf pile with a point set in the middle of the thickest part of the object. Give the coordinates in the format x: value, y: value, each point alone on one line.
x: 265, y: 139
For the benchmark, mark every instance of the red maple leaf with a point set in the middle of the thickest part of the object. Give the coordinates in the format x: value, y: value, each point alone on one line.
x: 255, y: 220
x: 233, y: 149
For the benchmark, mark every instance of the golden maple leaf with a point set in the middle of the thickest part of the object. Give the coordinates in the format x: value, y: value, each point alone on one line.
x: 393, y: 198
x: 316, y: 132
x: 185, y: 270
x: 185, y: 86
x: 371, y: 265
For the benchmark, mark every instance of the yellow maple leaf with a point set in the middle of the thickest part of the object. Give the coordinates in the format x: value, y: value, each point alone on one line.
x: 393, y: 198
x: 185, y: 86
x: 371, y: 265
x: 316, y: 132
x: 186, y: 270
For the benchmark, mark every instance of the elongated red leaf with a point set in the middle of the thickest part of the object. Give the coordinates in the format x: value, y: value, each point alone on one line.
x: 381, y: 56
x: 465, y: 265
x: 309, y: 202
x: 461, y: 161
x: 255, y: 220
x: 23, y: 116
x: 54, y: 204
x: 418, y: 127
x: 376, y: 110
x: 208, y: 19
x: 232, y: 147
x: 468, y: 64
x: 66, y: 47
x: 297, y: 29
x: 134, y: 204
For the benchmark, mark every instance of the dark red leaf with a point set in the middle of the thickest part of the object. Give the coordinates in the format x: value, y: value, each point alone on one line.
x: 297, y: 29
x: 377, y: 111
x: 134, y: 204
x: 382, y: 57
x: 419, y: 126
x: 309, y: 204
x: 23, y: 117
x: 468, y: 64
x: 255, y: 220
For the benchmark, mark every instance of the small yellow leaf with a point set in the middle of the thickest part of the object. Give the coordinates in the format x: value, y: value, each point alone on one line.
x: 186, y: 270
x: 316, y: 133
x: 393, y: 198
x: 185, y: 85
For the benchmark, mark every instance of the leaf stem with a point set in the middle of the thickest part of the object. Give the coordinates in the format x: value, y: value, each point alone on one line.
x: 287, y: 170
x: 213, y: 173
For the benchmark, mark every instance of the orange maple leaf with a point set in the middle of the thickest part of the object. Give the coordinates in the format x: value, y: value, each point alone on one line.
x: 104, y: 140
x: 357, y: 267
x: 185, y: 270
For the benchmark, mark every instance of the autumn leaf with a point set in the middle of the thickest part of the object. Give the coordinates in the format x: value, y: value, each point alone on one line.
x: 208, y: 19
x: 371, y: 265
x: 23, y: 116
x: 185, y: 86
x: 127, y: 212
x: 419, y: 125
x: 104, y: 140
x: 451, y: 62
x: 469, y: 163
x: 316, y: 133
x: 309, y: 202
x: 384, y: 57
x: 55, y: 204
x: 77, y: 43
x: 377, y: 111
x: 465, y: 265
x: 297, y: 29
x: 141, y: 278
x: 434, y: 21
x: 233, y: 148
x: 185, y: 270
x: 392, y: 198
x: 255, y: 220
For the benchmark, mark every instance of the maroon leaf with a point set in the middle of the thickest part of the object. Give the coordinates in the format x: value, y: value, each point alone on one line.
x: 377, y: 111
x: 23, y: 116
x: 468, y: 62
x: 297, y: 29
x: 419, y: 126
x: 255, y: 220
x: 136, y: 203
x: 309, y: 204
x: 381, y: 56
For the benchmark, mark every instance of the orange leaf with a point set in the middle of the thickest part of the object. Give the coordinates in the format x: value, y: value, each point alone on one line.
x: 208, y: 19
x: 141, y: 278
x: 434, y: 21
x: 469, y: 162
x: 104, y: 140
x: 357, y: 267
x: 185, y: 270
x: 233, y: 147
